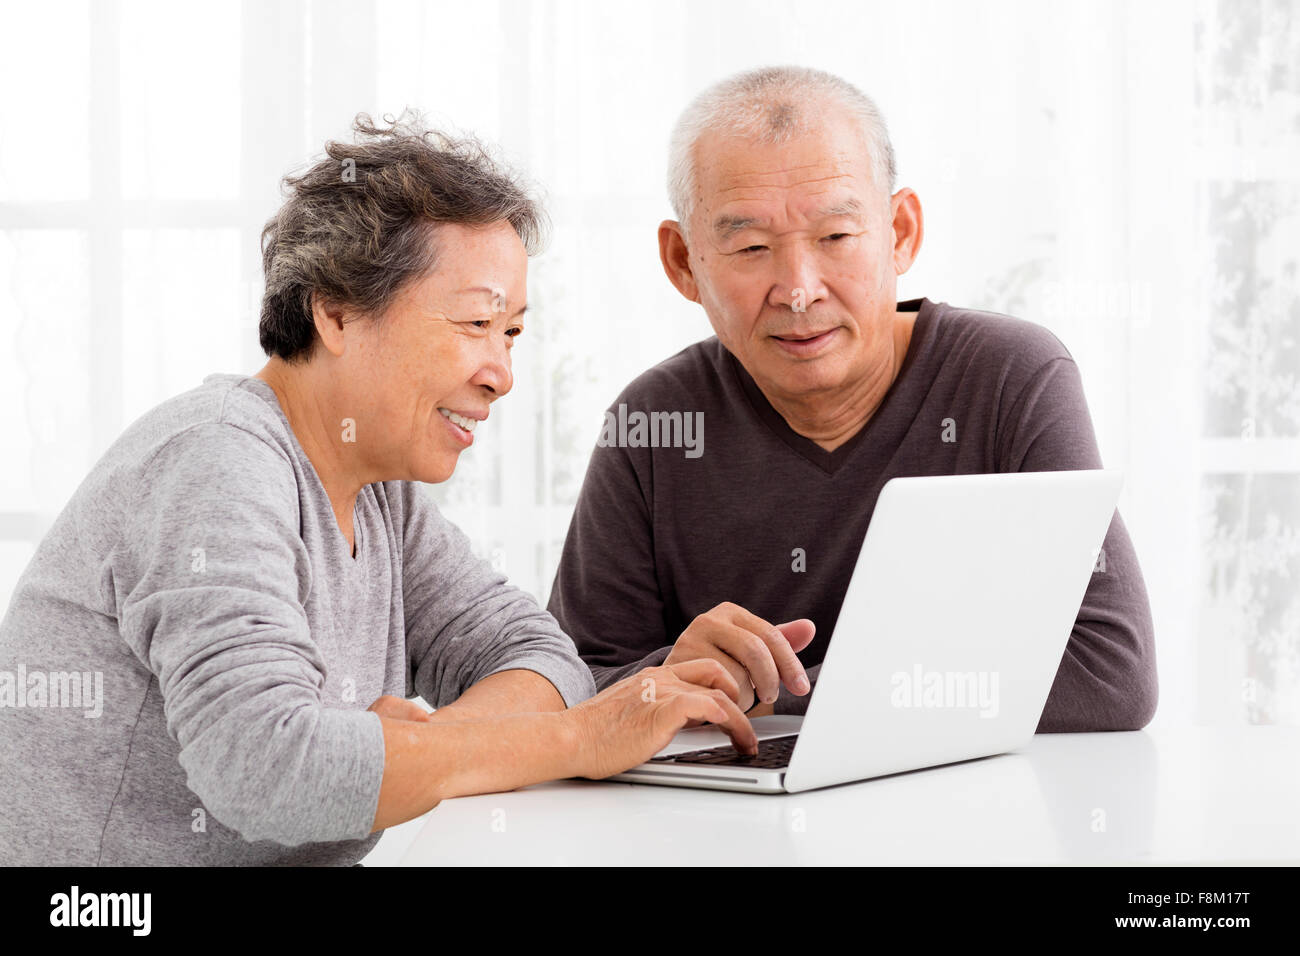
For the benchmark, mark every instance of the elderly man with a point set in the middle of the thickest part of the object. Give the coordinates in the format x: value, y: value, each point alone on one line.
x: 817, y: 388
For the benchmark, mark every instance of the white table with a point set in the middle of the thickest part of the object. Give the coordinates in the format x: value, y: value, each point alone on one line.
x: 1163, y: 795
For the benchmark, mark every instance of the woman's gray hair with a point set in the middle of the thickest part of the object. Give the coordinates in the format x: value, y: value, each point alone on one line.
x: 771, y: 105
x: 361, y: 223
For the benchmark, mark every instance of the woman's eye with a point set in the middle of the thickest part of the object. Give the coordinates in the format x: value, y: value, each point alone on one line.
x: 512, y: 332
x: 838, y: 235
x: 482, y: 323
x: 753, y: 249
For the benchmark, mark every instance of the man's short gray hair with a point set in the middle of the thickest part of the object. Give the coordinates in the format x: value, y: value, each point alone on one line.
x: 771, y: 105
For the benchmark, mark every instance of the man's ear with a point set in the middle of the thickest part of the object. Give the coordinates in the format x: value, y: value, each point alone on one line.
x: 330, y: 317
x: 676, y: 259
x: 909, y: 229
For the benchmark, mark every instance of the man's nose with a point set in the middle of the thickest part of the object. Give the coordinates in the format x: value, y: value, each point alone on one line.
x: 797, y: 283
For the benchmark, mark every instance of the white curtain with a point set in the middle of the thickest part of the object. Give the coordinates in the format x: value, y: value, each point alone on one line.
x: 1122, y: 173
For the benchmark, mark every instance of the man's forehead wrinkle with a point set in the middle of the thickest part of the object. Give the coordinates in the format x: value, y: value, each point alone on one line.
x: 777, y: 172
x: 812, y: 187
x: 847, y: 206
x: 728, y: 224
x: 735, y: 200
x: 745, y: 179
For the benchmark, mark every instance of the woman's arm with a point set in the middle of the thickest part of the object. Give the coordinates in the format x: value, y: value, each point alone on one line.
x: 229, y: 643
x: 502, y: 693
x: 504, y: 705
x: 464, y: 621
x: 426, y: 762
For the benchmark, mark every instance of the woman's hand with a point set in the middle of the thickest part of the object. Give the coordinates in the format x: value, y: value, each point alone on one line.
x: 629, y: 722
x: 619, y: 728
x: 399, y: 708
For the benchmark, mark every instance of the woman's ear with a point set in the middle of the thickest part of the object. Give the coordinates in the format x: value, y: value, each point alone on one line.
x: 676, y: 259
x: 329, y: 317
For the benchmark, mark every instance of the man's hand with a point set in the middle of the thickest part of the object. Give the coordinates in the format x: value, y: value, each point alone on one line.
x: 629, y: 722
x: 759, y: 656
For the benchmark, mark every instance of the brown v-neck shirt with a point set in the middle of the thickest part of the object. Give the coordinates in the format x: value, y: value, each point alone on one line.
x: 765, y: 518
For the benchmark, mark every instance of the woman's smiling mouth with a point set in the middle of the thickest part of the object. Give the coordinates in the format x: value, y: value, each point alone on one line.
x: 461, y: 425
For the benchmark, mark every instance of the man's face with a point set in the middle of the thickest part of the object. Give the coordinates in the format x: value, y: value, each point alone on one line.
x: 442, y: 346
x: 792, y: 249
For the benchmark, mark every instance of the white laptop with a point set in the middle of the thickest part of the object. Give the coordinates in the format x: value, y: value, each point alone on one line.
x: 961, y: 604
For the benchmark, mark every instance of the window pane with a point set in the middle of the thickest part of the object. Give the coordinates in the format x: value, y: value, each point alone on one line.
x: 180, y: 317
x: 44, y: 367
x: 444, y: 60
x: 45, y: 75
x: 180, y: 100
x: 1250, y: 643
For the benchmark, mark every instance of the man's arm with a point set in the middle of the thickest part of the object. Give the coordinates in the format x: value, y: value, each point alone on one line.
x: 1107, y: 678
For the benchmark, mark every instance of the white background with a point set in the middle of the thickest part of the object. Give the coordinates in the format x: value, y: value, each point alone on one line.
x: 1122, y: 173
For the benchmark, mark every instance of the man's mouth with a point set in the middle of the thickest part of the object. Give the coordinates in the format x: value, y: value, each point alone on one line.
x: 802, y: 336
x: 805, y: 344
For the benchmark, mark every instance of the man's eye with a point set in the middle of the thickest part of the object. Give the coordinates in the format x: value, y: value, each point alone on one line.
x: 838, y: 235
x: 513, y: 331
x: 482, y: 323
x: 753, y: 249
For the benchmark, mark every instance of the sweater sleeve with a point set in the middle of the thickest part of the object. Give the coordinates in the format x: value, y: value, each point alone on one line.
x: 1107, y: 678
x: 212, y: 578
x: 606, y: 593
x: 465, y: 623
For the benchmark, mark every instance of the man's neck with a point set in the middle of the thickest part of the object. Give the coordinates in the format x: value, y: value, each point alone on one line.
x: 831, y: 421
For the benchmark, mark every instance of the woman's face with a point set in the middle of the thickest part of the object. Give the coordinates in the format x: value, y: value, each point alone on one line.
x: 425, y: 375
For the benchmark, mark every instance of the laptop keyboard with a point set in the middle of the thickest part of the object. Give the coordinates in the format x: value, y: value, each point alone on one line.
x: 773, y: 754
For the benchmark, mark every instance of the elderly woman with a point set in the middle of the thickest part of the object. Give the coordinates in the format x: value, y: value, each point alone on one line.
x: 208, y: 656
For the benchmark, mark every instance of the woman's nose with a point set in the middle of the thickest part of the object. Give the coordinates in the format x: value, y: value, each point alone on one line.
x: 495, y: 373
